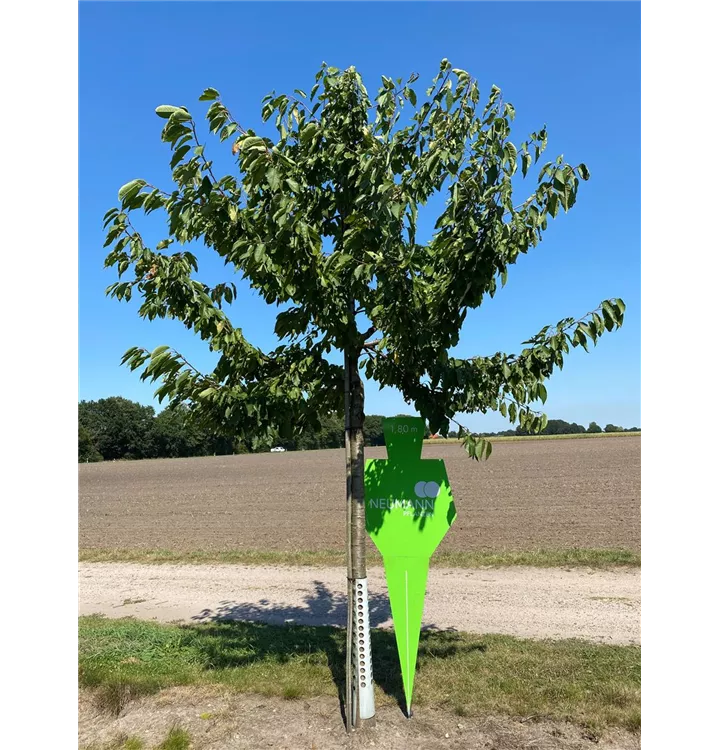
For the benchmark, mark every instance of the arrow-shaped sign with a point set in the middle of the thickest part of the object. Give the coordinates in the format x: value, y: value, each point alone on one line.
x: 409, y: 509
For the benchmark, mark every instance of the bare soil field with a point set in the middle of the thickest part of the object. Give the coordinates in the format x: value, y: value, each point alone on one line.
x: 216, y: 720
x: 529, y: 494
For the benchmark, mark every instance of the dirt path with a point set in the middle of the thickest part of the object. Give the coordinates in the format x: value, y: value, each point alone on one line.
x: 597, y: 605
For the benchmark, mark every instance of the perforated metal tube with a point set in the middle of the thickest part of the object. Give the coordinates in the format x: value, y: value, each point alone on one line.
x: 363, y: 672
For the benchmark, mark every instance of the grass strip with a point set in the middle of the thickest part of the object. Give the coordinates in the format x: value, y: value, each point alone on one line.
x: 593, y: 685
x: 540, y: 558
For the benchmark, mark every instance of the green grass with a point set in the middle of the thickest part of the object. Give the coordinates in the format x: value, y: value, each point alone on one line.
x: 593, y: 685
x: 515, y: 438
x: 176, y: 739
x: 541, y: 558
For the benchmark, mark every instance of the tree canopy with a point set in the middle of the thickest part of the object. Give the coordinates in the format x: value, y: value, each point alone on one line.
x: 322, y: 219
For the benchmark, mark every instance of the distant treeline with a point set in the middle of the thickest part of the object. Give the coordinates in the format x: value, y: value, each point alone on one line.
x: 117, y: 428
x: 560, y: 427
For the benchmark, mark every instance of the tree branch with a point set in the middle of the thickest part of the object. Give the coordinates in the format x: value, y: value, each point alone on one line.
x: 204, y: 158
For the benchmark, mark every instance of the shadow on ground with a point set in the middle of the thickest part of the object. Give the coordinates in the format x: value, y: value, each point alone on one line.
x: 237, y: 634
x: 321, y: 606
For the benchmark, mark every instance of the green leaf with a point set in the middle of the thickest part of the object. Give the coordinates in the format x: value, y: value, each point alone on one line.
x: 552, y: 205
x: 130, y: 189
x: 165, y: 111
x: 579, y: 339
x: 180, y: 115
x: 587, y: 331
x: 525, y: 163
x: 209, y: 95
x: 273, y: 178
x: 583, y: 172
x: 542, y: 393
x: 608, y: 317
x: 252, y: 143
x: 608, y: 311
x: 227, y: 131
x: 179, y: 154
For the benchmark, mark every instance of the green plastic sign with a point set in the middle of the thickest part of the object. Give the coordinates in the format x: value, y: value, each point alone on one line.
x: 409, y: 509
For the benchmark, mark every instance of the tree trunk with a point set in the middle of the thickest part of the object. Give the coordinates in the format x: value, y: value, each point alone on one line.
x: 359, y: 691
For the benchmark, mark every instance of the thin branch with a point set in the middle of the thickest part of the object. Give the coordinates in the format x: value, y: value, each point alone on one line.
x: 233, y: 119
x: 159, y: 190
x: 184, y: 360
x: 204, y: 158
x: 303, y: 104
x: 189, y: 365
x: 571, y: 323
x: 532, y: 197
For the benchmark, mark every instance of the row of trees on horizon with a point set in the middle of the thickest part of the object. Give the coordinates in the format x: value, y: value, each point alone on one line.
x: 117, y: 428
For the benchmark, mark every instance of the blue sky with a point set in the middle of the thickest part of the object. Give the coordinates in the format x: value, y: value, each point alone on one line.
x: 574, y: 66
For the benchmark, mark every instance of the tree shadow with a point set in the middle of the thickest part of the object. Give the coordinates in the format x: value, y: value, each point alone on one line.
x: 238, y: 634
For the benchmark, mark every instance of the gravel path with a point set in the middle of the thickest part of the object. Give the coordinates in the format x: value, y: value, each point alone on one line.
x: 596, y: 605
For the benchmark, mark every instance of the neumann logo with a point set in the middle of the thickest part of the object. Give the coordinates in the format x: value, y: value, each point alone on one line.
x: 426, y: 489
x: 427, y: 492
